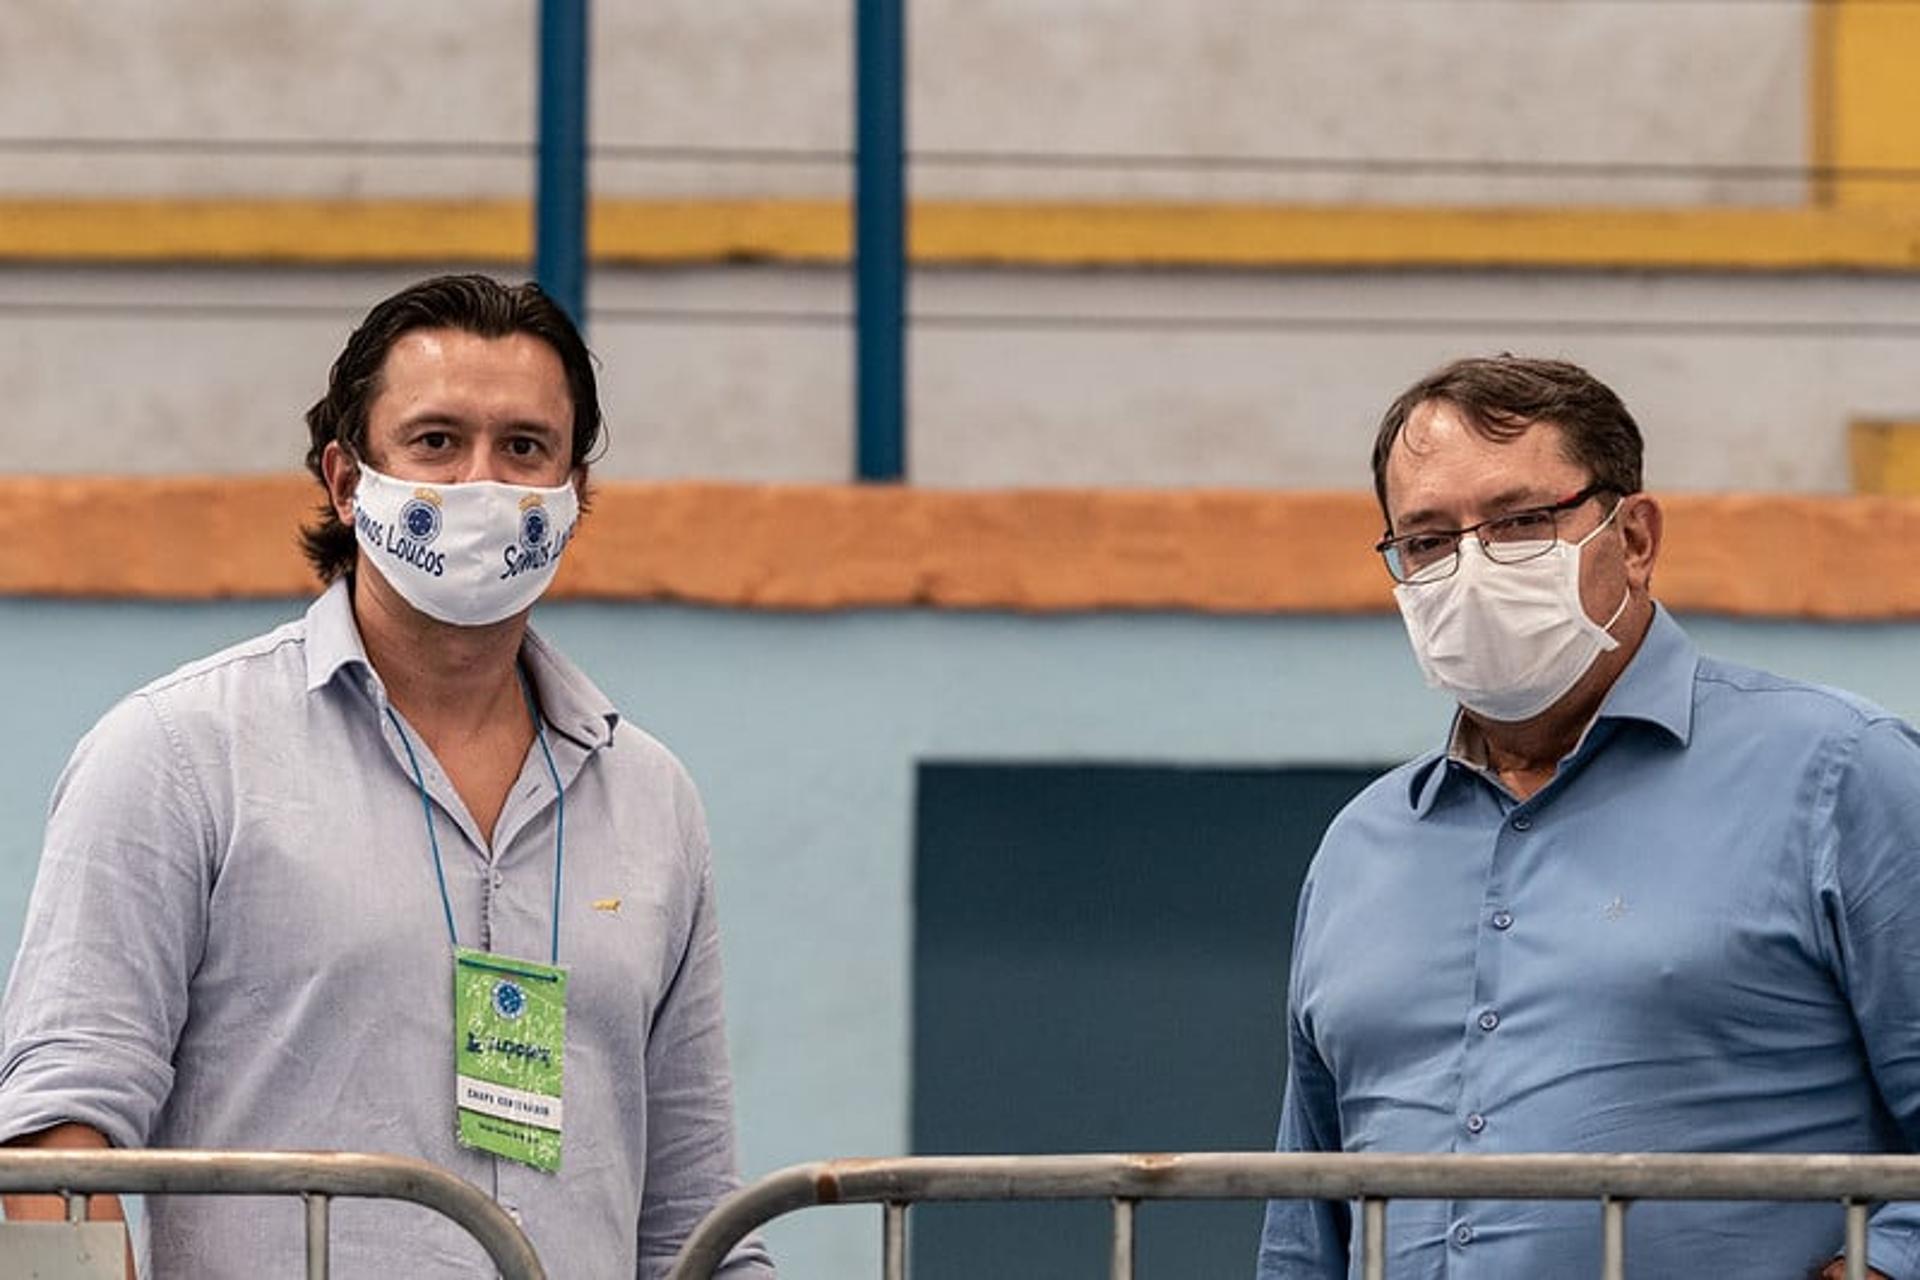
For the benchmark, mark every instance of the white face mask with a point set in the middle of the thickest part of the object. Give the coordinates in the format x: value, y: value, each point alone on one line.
x: 467, y: 554
x: 1507, y: 640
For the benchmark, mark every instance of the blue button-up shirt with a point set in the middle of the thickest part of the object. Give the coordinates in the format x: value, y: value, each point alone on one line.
x: 237, y: 940
x: 1702, y: 935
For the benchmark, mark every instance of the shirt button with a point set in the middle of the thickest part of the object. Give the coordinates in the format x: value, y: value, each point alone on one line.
x: 1463, y: 1235
x: 1489, y: 1020
x: 1476, y: 1123
x: 1523, y: 823
x: 1503, y: 919
x: 499, y: 878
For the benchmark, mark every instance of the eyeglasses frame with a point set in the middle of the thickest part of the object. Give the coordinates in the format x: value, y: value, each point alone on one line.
x: 1553, y: 510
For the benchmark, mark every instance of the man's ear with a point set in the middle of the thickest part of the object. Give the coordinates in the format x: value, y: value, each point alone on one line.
x: 1641, y: 525
x: 342, y: 476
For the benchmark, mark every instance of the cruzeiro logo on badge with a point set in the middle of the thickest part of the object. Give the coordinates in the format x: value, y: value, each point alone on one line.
x: 509, y: 1001
x: 420, y: 518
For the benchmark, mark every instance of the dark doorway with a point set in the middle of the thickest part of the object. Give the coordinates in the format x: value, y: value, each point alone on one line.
x: 1100, y: 960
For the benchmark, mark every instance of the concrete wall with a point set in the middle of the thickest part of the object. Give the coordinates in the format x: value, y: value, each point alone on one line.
x: 804, y: 733
x: 1121, y: 378
x: 361, y: 98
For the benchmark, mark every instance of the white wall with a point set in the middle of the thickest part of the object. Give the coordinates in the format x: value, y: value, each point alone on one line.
x: 1683, y: 83
x: 1018, y: 379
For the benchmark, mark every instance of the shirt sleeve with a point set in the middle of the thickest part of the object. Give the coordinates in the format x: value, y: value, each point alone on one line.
x: 1867, y: 870
x: 690, y: 1133
x: 1305, y: 1239
x: 114, y: 929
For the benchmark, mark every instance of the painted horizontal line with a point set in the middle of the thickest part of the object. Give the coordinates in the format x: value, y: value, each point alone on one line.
x: 1061, y: 234
x: 967, y: 158
x: 810, y: 548
x: 43, y: 310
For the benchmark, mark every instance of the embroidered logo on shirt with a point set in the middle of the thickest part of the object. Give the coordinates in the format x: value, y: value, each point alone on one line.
x: 1615, y: 908
x: 610, y: 905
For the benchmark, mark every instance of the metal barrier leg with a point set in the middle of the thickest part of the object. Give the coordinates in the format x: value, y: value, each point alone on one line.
x: 1373, y: 1239
x: 893, y: 1240
x: 317, y: 1232
x: 1613, y: 1239
x: 76, y: 1206
x: 1123, y: 1239
x: 1856, y: 1240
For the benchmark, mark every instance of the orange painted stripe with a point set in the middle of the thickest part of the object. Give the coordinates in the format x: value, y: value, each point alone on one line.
x: 839, y: 547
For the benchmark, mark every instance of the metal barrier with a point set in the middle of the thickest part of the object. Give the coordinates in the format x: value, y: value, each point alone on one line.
x: 319, y: 1178
x: 1373, y: 1180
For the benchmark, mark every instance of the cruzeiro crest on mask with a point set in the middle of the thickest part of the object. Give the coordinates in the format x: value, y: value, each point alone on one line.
x: 421, y: 516
x: 536, y: 526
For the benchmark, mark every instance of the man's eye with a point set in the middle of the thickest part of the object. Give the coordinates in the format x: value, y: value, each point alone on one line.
x: 433, y: 440
x: 1522, y: 526
x: 524, y: 447
x: 1424, y: 546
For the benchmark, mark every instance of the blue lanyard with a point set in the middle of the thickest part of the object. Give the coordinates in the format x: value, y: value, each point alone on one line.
x: 559, y: 816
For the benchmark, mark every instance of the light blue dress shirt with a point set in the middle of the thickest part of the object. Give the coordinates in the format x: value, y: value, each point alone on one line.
x: 236, y: 940
x: 1703, y: 935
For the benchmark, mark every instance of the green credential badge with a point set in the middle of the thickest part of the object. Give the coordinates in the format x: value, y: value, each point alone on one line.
x: 510, y: 1030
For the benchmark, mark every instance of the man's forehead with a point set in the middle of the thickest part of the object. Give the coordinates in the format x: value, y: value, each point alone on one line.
x: 1439, y: 429
x: 453, y: 343
x: 1442, y: 459
x: 456, y: 360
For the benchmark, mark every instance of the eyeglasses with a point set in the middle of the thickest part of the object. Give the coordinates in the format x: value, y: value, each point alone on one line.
x: 1434, y: 554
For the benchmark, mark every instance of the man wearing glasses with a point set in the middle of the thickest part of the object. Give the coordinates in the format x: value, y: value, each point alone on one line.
x: 1642, y: 901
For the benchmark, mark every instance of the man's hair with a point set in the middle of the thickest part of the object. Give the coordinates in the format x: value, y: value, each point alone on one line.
x: 473, y: 304
x: 1501, y: 397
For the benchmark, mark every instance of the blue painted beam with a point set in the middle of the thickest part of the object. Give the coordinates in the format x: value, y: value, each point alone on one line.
x: 880, y: 239
x: 560, y: 212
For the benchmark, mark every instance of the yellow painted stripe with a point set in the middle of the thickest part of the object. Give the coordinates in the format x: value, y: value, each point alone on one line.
x: 1847, y: 237
x: 294, y: 231
x: 1865, y: 99
x: 840, y: 547
x: 1823, y: 144
x: 1884, y: 456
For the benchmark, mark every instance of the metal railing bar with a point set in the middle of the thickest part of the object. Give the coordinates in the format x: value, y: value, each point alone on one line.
x: 893, y: 1239
x: 1123, y: 1238
x: 1373, y: 1238
x: 318, y: 1263
x: 1856, y: 1240
x: 1268, y: 1175
x: 1613, y: 1239
x: 290, y: 1173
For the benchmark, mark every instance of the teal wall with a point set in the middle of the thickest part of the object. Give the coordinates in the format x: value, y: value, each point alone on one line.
x: 804, y: 733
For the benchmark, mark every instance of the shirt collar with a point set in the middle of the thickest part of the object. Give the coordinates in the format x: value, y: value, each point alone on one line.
x: 571, y: 703
x: 333, y: 641
x: 1656, y: 688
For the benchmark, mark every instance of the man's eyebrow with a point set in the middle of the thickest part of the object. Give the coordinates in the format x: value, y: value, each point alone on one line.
x: 433, y: 418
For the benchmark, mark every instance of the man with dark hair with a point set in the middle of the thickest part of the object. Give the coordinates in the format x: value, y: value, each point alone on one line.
x: 1642, y: 901
x: 395, y: 877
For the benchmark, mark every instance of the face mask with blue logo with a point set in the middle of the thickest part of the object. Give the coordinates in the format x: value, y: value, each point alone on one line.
x: 467, y: 554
